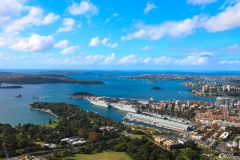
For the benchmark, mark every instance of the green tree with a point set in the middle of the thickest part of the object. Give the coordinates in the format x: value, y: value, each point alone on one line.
x: 192, y: 154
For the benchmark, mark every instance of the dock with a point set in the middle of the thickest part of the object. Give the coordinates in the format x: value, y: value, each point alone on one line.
x: 157, y: 122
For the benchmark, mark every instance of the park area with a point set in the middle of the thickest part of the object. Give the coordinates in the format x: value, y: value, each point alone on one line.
x: 102, y: 156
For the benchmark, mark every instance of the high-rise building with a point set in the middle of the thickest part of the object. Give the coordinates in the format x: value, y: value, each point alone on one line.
x: 229, y: 88
x: 204, y: 89
x: 224, y: 88
x: 210, y: 90
x: 225, y: 102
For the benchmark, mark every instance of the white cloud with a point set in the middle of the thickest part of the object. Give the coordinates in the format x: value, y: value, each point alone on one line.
x: 70, y: 50
x: 234, y: 47
x: 133, y: 59
x: 112, y: 45
x: 202, y: 58
x: 146, y: 48
x: 67, y: 26
x: 201, y: 2
x: 109, y: 59
x: 51, y: 17
x: 4, y: 56
x: 150, y: 6
x: 84, y: 8
x: 96, y: 42
x: 229, y: 2
x: 35, y: 17
x: 155, y: 32
x: 61, y: 44
x: 228, y: 19
x: 229, y: 62
x: 36, y: 43
x: 129, y: 59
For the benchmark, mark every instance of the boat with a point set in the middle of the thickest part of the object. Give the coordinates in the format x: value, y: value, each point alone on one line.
x: 124, y: 107
x: 99, y: 102
x: 19, y: 96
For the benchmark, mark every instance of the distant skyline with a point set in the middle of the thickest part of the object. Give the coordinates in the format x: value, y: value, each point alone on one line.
x: 120, y: 34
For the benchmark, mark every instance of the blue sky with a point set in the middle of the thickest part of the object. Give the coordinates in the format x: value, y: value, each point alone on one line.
x: 120, y: 34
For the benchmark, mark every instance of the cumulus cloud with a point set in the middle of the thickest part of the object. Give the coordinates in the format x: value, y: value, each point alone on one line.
x: 150, y: 6
x: 96, y: 42
x: 146, y: 48
x: 67, y: 26
x: 228, y: 19
x: 84, y: 8
x: 201, y: 2
x: 70, y: 50
x: 36, y: 43
x: 109, y: 59
x: 202, y: 58
x: 35, y: 17
x: 51, y: 17
x: 225, y: 20
x: 61, y: 44
x: 8, y: 10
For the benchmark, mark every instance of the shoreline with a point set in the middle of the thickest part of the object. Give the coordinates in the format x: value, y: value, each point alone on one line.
x: 44, y: 110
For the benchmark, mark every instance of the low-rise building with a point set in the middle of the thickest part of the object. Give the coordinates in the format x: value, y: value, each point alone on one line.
x: 197, y: 137
x: 232, y: 144
x: 224, y: 135
x: 172, y: 144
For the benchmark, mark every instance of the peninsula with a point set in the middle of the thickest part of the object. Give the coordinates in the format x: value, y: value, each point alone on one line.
x: 19, y: 78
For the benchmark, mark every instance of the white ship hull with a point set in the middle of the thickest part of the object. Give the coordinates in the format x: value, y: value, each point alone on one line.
x: 98, y: 103
x: 127, y: 108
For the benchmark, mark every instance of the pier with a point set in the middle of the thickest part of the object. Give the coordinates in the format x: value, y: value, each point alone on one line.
x: 157, y: 122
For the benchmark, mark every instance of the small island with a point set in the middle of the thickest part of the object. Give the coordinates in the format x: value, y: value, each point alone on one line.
x: 156, y: 88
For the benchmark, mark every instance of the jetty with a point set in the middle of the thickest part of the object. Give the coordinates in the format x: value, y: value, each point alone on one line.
x: 157, y: 122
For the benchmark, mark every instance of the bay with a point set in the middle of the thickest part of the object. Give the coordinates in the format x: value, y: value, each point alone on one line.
x: 15, y: 110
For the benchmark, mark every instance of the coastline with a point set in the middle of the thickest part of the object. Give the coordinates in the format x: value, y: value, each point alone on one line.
x: 44, y: 110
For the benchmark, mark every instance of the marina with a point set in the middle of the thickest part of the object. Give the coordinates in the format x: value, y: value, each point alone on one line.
x: 158, y: 122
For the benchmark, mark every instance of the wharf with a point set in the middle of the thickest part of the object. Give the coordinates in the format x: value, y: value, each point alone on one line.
x: 157, y: 122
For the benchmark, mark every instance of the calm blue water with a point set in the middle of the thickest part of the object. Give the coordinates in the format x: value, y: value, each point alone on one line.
x: 15, y: 110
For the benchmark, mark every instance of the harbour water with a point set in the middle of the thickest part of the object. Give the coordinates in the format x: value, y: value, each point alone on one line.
x: 15, y: 110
